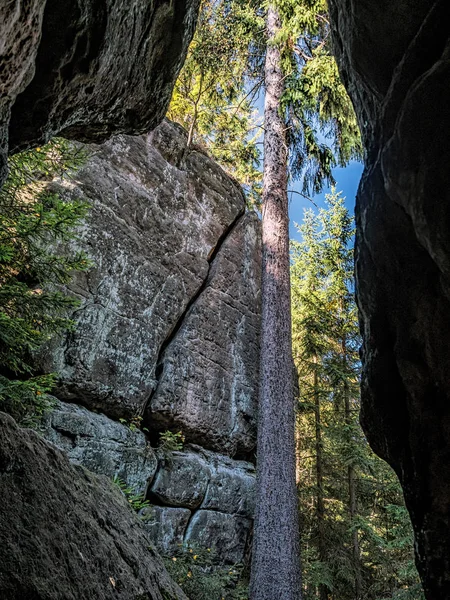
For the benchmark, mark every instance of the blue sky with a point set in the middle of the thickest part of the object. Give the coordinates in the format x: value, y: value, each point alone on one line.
x: 347, y: 180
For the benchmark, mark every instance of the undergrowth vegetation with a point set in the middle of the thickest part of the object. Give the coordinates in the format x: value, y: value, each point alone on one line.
x: 200, y: 575
x: 36, y: 224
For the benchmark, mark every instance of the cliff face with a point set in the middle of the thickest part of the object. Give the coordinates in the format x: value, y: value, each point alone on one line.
x: 87, y: 69
x: 394, y: 57
x: 168, y: 332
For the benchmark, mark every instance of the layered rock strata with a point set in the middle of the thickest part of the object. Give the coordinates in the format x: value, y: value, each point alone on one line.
x: 198, y: 497
x: 394, y: 58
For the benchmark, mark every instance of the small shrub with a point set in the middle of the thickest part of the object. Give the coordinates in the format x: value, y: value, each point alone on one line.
x: 199, y: 574
x: 170, y: 441
x: 136, y: 501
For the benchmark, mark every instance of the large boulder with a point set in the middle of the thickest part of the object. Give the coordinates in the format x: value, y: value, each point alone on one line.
x: 394, y: 58
x: 151, y: 232
x: 208, y: 381
x: 68, y: 534
x: 87, y: 69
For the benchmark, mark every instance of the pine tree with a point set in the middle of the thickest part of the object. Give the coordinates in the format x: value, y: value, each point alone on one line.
x: 213, y: 96
x: 35, y: 222
x: 363, y: 525
x: 276, y: 549
x: 286, y: 128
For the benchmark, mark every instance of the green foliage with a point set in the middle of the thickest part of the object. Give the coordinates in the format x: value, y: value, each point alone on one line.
x: 136, y: 501
x: 325, y: 346
x: 36, y: 225
x: 322, y: 131
x: 215, y: 95
x: 170, y: 441
x: 211, y: 99
x: 201, y: 577
x: 134, y: 424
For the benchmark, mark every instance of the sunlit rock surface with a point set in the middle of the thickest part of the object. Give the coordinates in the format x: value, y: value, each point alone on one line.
x: 152, y: 234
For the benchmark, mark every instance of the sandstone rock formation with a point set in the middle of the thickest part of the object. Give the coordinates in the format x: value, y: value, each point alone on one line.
x: 101, y: 445
x: 394, y: 58
x: 174, y: 255
x: 199, y: 497
x: 68, y: 534
x: 207, y: 387
x: 168, y: 320
x: 88, y: 69
x: 220, y: 493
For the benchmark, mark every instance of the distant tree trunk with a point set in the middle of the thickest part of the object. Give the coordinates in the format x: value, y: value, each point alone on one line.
x: 352, y: 495
x: 320, y: 506
x: 276, y: 551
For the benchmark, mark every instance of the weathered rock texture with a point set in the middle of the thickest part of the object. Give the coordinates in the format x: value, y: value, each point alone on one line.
x: 199, y: 497
x: 68, y: 534
x: 172, y: 303
x: 209, y: 369
x: 395, y: 60
x: 88, y: 69
x: 101, y: 445
x: 20, y: 31
x: 218, y: 491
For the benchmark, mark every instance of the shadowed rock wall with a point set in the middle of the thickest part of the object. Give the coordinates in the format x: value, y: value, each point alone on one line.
x: 88, y: 69
x: 395, y: 61
x: 67, y: 533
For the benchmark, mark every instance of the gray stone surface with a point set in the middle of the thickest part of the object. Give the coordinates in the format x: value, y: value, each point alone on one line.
x: 69, y: 534
x: 100, y: 69
x: 226, y: 534
x: 231, y: 486
x: 101, y: 445
x: 208, y: 385
x: 166, y: 526
x: 181, y: 480
x: 150, y: 233
x: 395, y: 60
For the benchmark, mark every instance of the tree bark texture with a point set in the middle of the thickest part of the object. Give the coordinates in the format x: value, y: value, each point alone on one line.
x: 276, y: 549
x: 320, y: 505
x: 352, y: 502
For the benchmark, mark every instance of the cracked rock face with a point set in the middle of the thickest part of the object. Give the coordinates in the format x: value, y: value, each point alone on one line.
x: 67, y: 533
x: 209, y: 374
x: 394, y: 57
x: 198, y: 497
x: 151, y: 232
x: 86, y: 69
x: 101, y: 445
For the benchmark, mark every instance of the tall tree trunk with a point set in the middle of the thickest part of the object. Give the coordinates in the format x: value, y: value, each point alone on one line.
x: 320, y: 506
x: 276, y: 550
x: 352, y: 505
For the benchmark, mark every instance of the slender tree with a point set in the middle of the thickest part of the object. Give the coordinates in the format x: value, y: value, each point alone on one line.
x: 276, y: 551
x: 362, y: 522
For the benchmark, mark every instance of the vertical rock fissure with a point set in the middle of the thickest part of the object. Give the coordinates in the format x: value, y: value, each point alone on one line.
x: 159, y: 369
